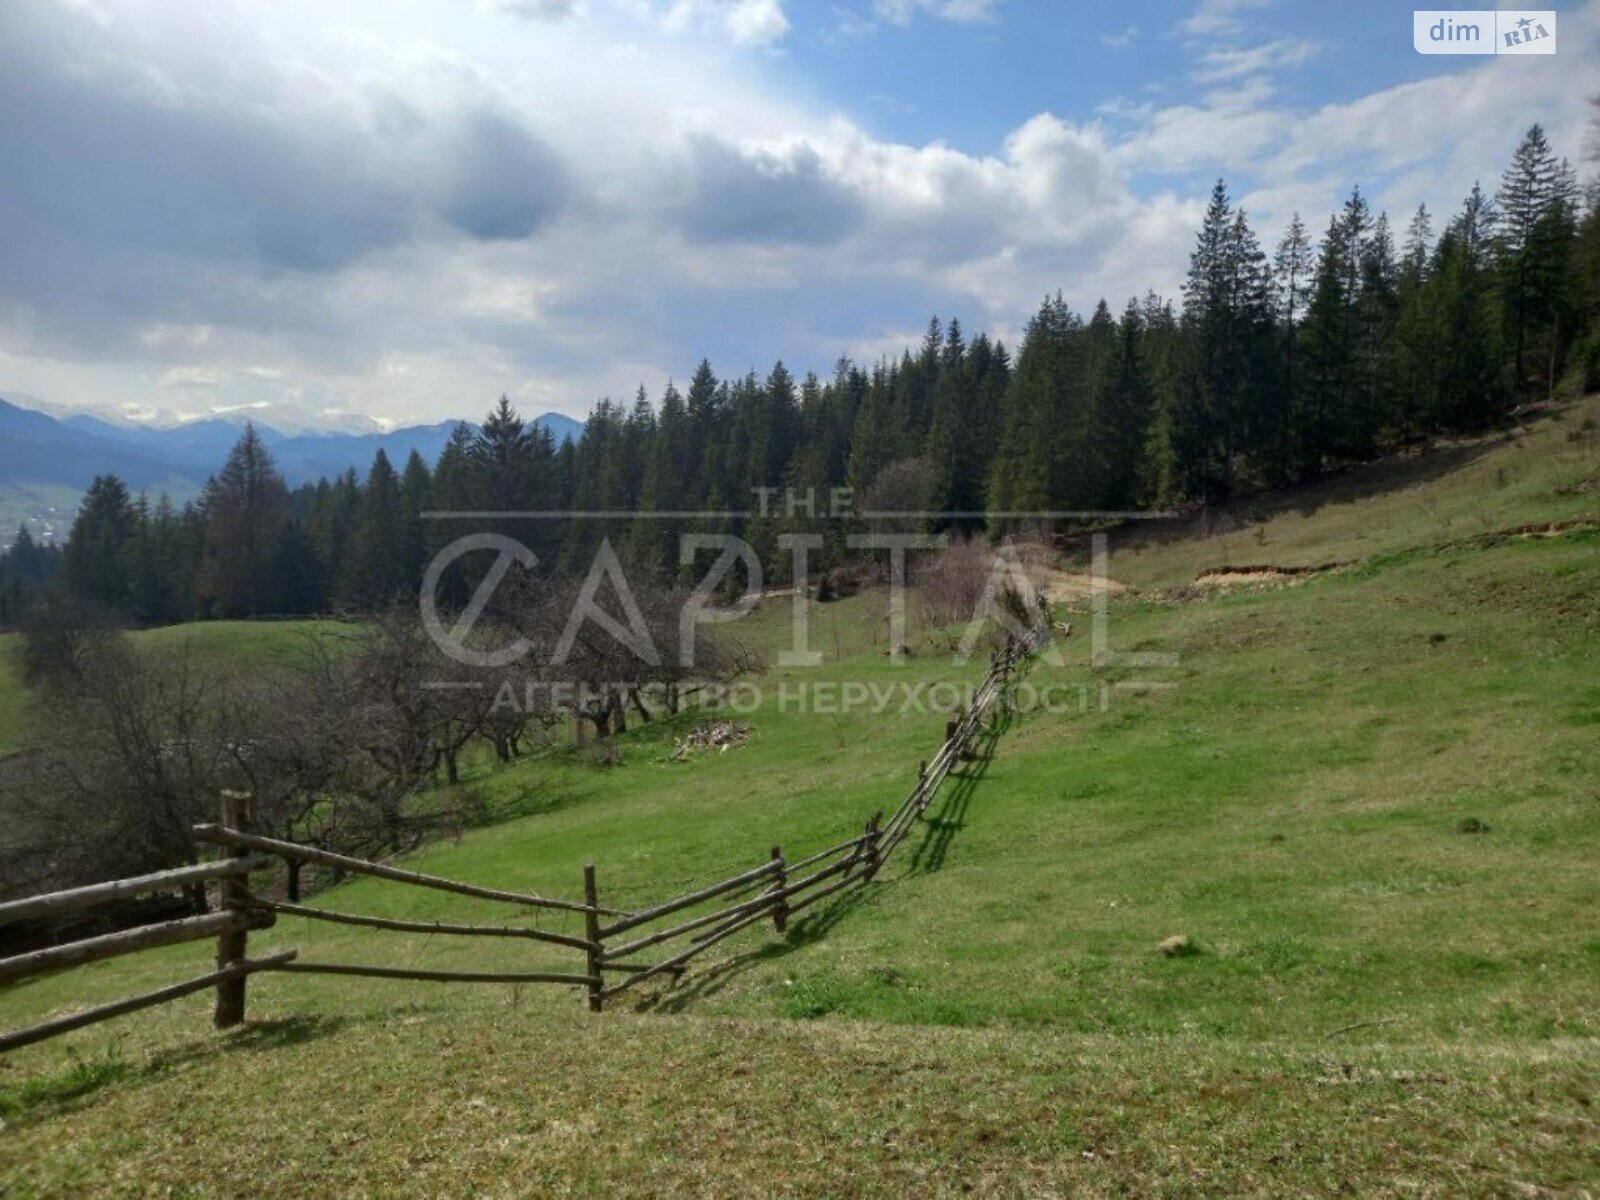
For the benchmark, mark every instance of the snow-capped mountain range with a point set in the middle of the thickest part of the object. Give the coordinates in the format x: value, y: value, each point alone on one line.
x: 52, y: 444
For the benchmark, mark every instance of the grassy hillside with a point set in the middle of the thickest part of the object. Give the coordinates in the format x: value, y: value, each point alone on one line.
x: 245, y: 643
x: 1547, y: 470
x: 1371, y: 801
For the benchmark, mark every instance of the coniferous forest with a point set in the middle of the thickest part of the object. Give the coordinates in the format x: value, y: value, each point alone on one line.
x: 1276, y: 364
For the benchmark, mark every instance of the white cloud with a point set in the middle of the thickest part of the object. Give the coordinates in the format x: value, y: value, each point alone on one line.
x: 1120, y: 40
x: 1219, y: 17
x: 204, y: 378
x: 1227, y: 62
x: 900, y: 12
x: 757, y: 22
x: 410, y: 225
x: 744, y: 22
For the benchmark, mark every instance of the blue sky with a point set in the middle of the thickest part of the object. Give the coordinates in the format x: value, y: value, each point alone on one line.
x: 404, y: 209
x: 971, y: 83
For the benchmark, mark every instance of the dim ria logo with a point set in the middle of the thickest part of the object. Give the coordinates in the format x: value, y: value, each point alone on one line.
x: 1484, y: 31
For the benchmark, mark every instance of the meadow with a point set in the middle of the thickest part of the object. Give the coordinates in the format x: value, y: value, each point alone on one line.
x: 1369, y: 800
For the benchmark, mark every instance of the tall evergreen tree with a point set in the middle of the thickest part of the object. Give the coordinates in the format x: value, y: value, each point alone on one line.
x: 1158, y: 466
x: 246, y: 505
x: 1128, y: 411
x: 1376, y: 304
x: 454, y: 488
x: 876, y: 439
x: 953, y: 450
x: 416, y: 487
x: 1413, y: 349
x: 1469, y: 396
x: 97, y: 565
x: 1044, y: 388
x: 666, y: 475
x: 1533, y: 240
x: 1293, y: 266
x: 377, y: 571
x: 1226, y: 388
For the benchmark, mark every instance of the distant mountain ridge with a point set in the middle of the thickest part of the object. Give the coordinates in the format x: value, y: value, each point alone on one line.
x: 287, y: 419
x: 69, y: 450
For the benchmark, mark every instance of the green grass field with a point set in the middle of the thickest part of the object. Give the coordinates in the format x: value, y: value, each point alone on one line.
x: 1542, y: 472
x: 1381, y: 1002
x: 243, y: 643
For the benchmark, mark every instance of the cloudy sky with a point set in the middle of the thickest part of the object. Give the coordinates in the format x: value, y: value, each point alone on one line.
x: 404, y: 208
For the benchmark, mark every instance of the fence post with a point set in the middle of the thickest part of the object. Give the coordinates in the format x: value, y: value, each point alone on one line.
x: 871, y: 845
x: 591, y: 929
x: 780, y: 880
x: 238, y: 812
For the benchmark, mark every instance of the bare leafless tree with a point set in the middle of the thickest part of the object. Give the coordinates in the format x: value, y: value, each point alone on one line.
x: 950, y: 584
x: 124, y: 762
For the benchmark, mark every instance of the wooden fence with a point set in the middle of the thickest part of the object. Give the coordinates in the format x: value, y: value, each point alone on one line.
x: 612, y: 943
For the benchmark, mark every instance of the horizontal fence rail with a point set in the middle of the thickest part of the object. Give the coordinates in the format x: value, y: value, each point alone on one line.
x: 775, y: 890
x: 127, y: 941
x: 230, y: 925
x: 436, y: 976
x: 123, y: 889
x: 221, y: 835
x: 397, y: 926
x: 117, y: 1008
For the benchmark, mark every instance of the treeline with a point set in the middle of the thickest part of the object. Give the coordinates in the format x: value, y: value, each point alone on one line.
x: 26, y: 568
x: 1270, y: 368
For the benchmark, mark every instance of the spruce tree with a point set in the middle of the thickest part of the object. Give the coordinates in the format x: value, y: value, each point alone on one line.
x: 97, y: 565
x: 1377, y: 301
x: 1413, y: 348
x: 1158, y: 466
x: 246, y: 505
x: 652, y: 540
x: 1129, y: 410
x: 416, y: 485
x: 1469, y: 396
x: 376, y: 570
x: 1293, y: 267
x: 1041, y: 388
x: 952, y: 450
x: 1227, y: 384
x: 1532, y: 243
x: 875, y: 440
x: 454, y: 488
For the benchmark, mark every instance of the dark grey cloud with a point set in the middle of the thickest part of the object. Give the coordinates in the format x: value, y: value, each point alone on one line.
x: 134, y: 195
x: 507, y: 183
x: 762, y: 196
x: 107, y: 159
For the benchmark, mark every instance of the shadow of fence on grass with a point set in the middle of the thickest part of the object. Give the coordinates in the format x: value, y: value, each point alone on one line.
x: 951, y: 816
x: 709, y: 981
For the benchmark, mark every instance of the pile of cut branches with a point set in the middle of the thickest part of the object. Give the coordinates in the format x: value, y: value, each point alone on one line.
x: 718, y: 735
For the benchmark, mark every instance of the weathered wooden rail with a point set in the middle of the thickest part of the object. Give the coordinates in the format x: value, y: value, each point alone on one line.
x: 230, y: 925
x: 685, y: 926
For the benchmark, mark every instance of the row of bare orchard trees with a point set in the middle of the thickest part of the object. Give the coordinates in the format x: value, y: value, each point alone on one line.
x: 348, y: 739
